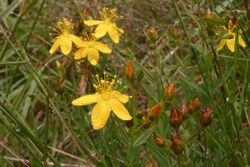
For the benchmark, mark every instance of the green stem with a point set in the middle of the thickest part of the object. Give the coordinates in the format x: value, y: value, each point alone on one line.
x: 34, y: 24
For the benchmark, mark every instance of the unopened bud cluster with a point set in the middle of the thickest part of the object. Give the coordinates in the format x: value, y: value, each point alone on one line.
x: 178, y: 116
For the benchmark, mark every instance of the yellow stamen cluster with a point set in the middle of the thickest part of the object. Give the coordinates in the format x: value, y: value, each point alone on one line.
x: 63, y: 26
x: 109, y: 14
x: 105, y: 85
x: 88, y: 37
x: 230, y: 25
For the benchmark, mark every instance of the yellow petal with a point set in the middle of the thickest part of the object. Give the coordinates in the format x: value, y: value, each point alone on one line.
x: 66, y: 45
x: 85, y: 100
x: 81, y: 53
x: 100, y: 115
x: 101, y: 30
x: 113, y: 33
x: 221, y: 44
x: 230, y: 44
x: 93, y: 56
x: 77, y: 40
x: 121, y: 97
x: 241, y: 41
x: 118, y: 29
x: 102, y: 47
x: 92, y: 22
x: 119, y: 110
x: 55, y: 45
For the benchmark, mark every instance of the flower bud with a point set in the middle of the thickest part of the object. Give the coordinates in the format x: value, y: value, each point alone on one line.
x: 159, y: 140
x: 154, y: 112
x: 177, y: 144
x: 174, y: 32
x: 196, y: 103
x: 130, y: 71
x: 184, y: 110
x: 210, y: 15
x: 85, y: 12
x: 169, y: 92
x: 206, y: 116
x: 175, y: 118
x: 153, y: 33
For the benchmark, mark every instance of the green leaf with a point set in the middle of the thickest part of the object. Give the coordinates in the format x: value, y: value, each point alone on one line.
x: 10, y: 8
x: 144, y: 136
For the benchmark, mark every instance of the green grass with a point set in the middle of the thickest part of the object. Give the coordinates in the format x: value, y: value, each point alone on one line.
x: 40, y: 127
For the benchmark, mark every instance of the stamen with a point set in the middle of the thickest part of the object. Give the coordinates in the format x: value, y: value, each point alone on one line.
x: 88, y: 37
x: 104, y: 84
x: 109, y: 14
x: 63, y: 26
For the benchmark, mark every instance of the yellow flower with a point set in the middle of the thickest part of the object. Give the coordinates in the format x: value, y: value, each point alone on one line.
x: 229, y: 38
x: 64, y: 39
x: 90, y: 47
x: 106, y: 25
x: 107, y: 99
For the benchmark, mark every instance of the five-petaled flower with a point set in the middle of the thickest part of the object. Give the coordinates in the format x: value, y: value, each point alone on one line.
x: 229, y: 38
x: 106, y: 99
x: 64, y: 38
x: 90, y: 47
x: 106, y: 25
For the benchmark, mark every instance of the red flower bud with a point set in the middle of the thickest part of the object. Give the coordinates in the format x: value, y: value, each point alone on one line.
x: 206, y: 116
x: 159, y: 140
x: 169, y: 92
x: 154, y: 112
x: 175, y: 118
x: 130, y: 71
x: 196, y: 103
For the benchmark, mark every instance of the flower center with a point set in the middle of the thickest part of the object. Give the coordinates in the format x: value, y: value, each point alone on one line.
x: 63, y: 27
x: 109, y: 14
x: 104, y: 86
x: 230, y: 26
x: 89, y: 38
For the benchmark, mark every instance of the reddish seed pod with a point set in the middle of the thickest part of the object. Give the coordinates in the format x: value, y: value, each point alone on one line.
x: 175, y: 118
x: 206, y: 116
x: 177, y: 145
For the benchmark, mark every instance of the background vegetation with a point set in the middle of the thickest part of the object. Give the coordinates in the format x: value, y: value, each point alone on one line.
x: 167, y: 42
